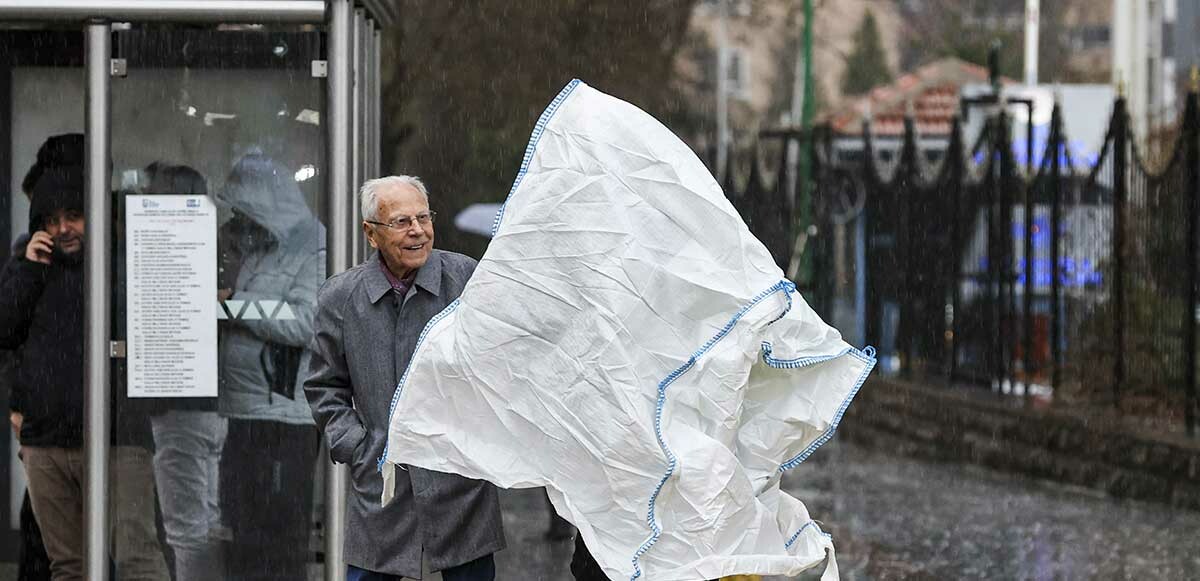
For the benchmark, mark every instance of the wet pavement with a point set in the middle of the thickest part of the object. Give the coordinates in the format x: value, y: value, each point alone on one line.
x: 899, y: 518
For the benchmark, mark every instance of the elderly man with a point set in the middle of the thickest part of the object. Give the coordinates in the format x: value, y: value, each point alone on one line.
x: 367, y: 325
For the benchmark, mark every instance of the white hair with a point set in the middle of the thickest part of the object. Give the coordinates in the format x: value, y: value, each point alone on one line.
x: 368, y: 195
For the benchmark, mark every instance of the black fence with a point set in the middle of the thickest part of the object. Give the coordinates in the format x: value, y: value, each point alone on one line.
x: 1069, y: 280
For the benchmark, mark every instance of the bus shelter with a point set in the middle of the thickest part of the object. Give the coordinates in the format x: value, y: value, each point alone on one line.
x: 204, y: 130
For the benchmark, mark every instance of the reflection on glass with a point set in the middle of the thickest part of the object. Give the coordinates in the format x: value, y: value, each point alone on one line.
x: 188, y: 437
x: 272, y: 258
x: 217, y: 111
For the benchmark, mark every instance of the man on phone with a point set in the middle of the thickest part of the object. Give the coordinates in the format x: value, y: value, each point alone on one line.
x: 42, y: 312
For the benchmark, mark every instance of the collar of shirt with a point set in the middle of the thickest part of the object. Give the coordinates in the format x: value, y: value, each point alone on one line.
x: 399, y: 285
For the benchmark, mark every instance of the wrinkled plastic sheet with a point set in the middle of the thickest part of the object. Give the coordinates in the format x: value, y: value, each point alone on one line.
x: 628, y: 344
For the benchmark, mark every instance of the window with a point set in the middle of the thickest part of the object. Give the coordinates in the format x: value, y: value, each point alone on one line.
x: 738, y: 73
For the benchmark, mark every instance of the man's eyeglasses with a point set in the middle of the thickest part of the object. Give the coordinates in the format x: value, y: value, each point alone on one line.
x: 406, y: 222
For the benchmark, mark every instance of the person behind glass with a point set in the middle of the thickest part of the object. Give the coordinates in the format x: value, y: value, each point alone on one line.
x: 273, y: 261
x: 188, y: 436
x: 368, y: 322
x: 32, y: 562
x: 41, y: 313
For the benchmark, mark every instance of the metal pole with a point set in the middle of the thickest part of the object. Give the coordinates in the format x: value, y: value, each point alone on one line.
x: 98, y: 323
x: 796, y: 118
x: 956, y: 159
x: 991, y: 326
x: 722, y: 92
x: 1008, y: 179
x: 1120, y: 198
x: 1032, y: 25
x: 909, y: 190
x: 1191, y: 130
x: 357, y: 137
x: 872, y: 313
x: 339, y: 231
x: 295, y: 11
x: 1029, y: 168
x: 1056, y: 141
x: 371, y: 112
x: 376, y: 128
x: 802, y: 205
x: 1030, y: 269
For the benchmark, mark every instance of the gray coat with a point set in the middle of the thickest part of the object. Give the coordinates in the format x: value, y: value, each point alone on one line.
x: 285, y: 271
x: 365, y: 336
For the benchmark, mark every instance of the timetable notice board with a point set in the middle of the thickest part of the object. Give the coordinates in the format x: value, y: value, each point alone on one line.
x: 171, y: 295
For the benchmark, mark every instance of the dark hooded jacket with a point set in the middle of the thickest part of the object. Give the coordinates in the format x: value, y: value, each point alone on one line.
x: 42, y: 316
x: 41, y: 313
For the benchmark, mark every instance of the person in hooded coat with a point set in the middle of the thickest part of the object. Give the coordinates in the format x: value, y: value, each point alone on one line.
x: 271, y: 265
x: 57, y: 151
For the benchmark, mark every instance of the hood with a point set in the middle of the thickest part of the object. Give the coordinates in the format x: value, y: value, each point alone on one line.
x: 58, y: 151
x: 266, y: 192
x: 56, y: 188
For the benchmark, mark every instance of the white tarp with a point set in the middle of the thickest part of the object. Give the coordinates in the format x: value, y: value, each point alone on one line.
x: 628, y: 344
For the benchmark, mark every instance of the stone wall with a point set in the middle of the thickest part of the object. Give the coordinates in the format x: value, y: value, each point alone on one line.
x: 972, y: 425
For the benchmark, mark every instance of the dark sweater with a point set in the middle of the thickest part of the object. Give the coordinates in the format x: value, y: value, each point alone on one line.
x: 9, y: 358
x: 42, y: 316
x: 41, y: 313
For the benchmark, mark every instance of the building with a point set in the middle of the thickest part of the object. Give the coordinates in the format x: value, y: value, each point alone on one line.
x: 762, y: 38
x: 1154, y: 46
x: 931, y: 94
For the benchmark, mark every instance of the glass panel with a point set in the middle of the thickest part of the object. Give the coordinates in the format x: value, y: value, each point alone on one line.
x: 41, y: 96
x: 217, y: 158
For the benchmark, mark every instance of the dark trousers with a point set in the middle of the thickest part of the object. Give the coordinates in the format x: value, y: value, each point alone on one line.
x: 34, y: 564
x: 481, y: 569
x: 266, y: 491
x: 583, y: 566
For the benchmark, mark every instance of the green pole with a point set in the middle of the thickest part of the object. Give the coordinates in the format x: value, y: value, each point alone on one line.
x: 804, y: 193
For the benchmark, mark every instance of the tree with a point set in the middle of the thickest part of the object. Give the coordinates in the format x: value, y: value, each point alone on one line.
x: 465, y: 81
x: 866, y: 67
x: 934, y: 29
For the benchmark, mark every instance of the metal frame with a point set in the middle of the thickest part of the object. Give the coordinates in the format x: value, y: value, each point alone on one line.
x: 351, y: 107
x: 368, y: 95
x: 98, y: 320
x: 376, y: 128
x: 358, y: 44
x: 301, y: 11
x: 339, y: 233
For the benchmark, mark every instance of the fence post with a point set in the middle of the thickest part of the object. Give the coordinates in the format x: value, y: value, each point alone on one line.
x: 1191, y: 132
x: 1120, y: 201
x: 992, y: 295
x: 999, y: 237
x: 955, y: 157
x: 871, y: 308
x: 908, y: 175
x: 1029, y: 184
x: 1056, y: 142
x: 1008, y: 280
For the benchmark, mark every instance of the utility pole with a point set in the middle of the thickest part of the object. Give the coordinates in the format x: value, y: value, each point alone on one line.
x: 796, y: 117
x: 1033, y: 17
x: 800, y: 151
x: 806, y: 121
